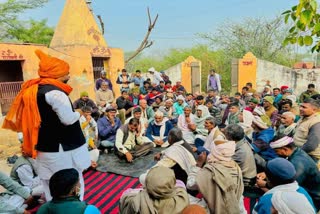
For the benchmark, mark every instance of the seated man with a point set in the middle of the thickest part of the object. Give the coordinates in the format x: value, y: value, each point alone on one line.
x: 23, y: 172
x: 165, y: 195
x: 158, y: 130
x: 243, y: 155
x: 308, y: 175
x: 17, y: 199
x: 205, y: 143
x: 107, y: 128
x: 124, y: 105
x: 280, y: 174
x: 84, y: 100
x: 261, y: 137
x: 219, y: 180
x: 179, y: 105
x: 286, y: 125
x: 178, y: 156
x: 129, y: 143
x: 201, y: 115
x: 65, y: 189
x: 214, y: 111
x: 90, y: 132
x: 104, y: 96
x: 234, y: 111
x: 169, y: 111
x: 185, y: 123
x: 147, y: 112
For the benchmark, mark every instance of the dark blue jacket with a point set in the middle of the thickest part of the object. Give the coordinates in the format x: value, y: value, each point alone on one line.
x: 261, y: 144
x: 106, y: 131
x: 154, y: 130
x: 308, y: 175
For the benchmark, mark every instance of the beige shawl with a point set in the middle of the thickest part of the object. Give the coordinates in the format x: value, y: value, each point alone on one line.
x: 221, y: 185
x: 160, y: 195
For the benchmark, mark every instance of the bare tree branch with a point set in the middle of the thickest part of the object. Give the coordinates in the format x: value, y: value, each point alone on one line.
x: 145, y: 42
x: 101, y: 24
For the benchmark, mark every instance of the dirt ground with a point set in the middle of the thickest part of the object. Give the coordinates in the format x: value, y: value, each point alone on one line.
x: 9, y: 146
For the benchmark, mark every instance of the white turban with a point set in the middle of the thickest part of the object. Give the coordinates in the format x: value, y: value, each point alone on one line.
x: 291, y: 202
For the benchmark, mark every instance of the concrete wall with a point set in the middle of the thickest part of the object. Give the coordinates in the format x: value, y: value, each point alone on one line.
x: 279, y: 75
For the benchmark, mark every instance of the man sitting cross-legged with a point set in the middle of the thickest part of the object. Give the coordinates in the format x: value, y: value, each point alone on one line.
x: 129, y: 143
x: 158, y: 130
x: 107, y: 128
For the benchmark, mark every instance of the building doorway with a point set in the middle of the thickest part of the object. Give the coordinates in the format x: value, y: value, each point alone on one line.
x: 195, y: 77
x: 11, y: 79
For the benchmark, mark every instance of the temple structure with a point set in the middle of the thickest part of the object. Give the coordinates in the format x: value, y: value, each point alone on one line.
x: 78, y: 40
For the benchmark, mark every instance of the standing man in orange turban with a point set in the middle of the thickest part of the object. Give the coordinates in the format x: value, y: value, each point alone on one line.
x: 51, y: 130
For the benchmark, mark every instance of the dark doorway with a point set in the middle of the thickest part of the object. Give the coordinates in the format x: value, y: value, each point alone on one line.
x: 98, y: 66
x: 11, y: 79
x: 11, y: 71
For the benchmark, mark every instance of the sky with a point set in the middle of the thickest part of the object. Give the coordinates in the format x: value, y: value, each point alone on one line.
x: 178, y: 24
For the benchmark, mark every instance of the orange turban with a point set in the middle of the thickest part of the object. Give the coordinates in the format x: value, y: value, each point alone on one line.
x: 194, y: 209
x: 51, y: 67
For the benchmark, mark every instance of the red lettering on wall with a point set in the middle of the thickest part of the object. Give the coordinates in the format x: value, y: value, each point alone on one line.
x: 10, y: 55
x: 247, y: 62
x: 99, y: 51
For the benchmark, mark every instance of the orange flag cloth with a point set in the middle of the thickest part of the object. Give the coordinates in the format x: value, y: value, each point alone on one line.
x: 24, y: 114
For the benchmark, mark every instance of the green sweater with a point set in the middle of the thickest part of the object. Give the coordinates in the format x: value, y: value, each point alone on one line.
x: 70, y: 205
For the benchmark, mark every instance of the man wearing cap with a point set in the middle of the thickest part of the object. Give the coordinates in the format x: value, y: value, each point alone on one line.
x: 253, y: 102
x: 261, y: 137
x: 280, y: 174
x: 214, y: 81
x: 179, y: 105
x: 271, y: 111
x: 266, y: 91
x: 156, y: 76
x: 308, y: 175
x: 287, y: 126
x: 307, y: 134
x: 107, y: 128
x: 308, y: 93
x: 50, y: 125
x: 103, y: 78
x: 169, y: 111
x: 83, y: 101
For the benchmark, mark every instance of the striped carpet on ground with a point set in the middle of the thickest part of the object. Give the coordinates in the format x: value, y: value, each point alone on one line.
x: 104, y: 189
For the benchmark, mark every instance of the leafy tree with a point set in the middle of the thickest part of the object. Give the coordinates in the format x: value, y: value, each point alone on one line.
x: 209, y: 59
x: 304, y: 24
x: 260, y: 36
x: 31, y: 32
x: 9, y: 23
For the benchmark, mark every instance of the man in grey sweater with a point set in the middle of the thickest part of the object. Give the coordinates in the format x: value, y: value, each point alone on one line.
x: 16, y: 198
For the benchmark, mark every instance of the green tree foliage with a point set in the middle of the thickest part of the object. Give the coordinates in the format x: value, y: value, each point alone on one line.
x: 209, y: 59
x: 32, y: 32
x: 304, y: 24
x: 230, y: 40
x: 10, y: 26
x: 260, y: 36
